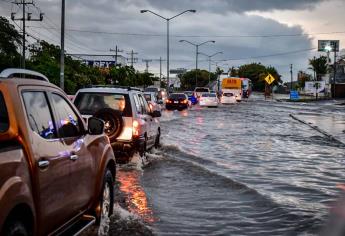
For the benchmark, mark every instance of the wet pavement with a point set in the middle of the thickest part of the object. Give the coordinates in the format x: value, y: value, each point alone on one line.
x: 242, y: 169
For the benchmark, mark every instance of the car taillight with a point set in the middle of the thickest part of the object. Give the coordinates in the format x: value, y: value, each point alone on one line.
x: 185, y: 101
x: 135, y: 128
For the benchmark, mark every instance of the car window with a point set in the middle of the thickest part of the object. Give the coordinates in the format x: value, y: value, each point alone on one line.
x: 177, y: 96
x: 68, y: 123
x: 202, y: 90
x: 228, y: 94
x: 145, y: 106
x: 212, y: 95
x: 90, y: 103
x: 137, y: 104
x: 4, y: 123
x: 39, y: 114
x: 205, y: 95
x: 148, y: 97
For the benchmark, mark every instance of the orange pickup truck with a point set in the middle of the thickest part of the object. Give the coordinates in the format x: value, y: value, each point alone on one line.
x: 56, y: 174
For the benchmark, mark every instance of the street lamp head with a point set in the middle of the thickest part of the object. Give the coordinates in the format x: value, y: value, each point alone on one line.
x: 182, y: 40
x: 143, y: 11
x: 212, y: 41
x: 193, y: 11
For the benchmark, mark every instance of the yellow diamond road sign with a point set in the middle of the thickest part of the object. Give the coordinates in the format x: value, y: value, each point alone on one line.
x: 269, y: 79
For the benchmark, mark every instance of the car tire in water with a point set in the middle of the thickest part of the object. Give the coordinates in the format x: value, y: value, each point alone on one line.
x: 158, y: 139
x: 15, y: 228
x: 113, y: 122
x: 106, y: 203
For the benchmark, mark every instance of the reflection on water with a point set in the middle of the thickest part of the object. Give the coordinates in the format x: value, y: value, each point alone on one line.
x: 136, y: 196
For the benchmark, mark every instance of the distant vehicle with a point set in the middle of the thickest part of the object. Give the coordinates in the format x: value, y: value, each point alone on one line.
x: 177, y: 101
x: 129, y: 122
x: 246, y: 87
x: 228, y: 98
x: 191, y: 98
x: 152, y: 89
x: 151, y: 99
x: 233, y: 86
x: 208, y: 100
x: 198, y: 91
x: 57, y: 172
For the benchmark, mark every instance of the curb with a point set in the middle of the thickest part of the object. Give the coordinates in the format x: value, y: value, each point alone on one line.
x: 331, y: 137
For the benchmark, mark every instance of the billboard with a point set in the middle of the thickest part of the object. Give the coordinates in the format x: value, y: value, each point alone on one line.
x: 315, y: 87
x: 328, y: 46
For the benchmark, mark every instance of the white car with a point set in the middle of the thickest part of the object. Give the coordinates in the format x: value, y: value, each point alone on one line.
x: 209, y: 100
x: 151, y: 99
x: 228, y: 98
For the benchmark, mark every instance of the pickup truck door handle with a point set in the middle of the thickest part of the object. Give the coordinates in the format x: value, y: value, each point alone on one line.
x: 73, y: 157
x: 43, y: 164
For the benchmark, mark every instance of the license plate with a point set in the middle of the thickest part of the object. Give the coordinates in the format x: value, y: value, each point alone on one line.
x: 175, y: 101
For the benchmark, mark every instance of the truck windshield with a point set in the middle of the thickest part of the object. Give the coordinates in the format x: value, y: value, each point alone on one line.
x: 4, y: 123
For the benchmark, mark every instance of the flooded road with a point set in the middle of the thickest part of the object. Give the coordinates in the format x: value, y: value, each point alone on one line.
x: 243, y: 169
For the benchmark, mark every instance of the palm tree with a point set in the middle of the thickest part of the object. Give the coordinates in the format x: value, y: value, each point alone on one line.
x: 319, y: 66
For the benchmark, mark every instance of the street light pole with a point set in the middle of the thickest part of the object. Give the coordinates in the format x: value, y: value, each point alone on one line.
x: 209, y: 63
x: 168, y: 46
x: 196, y: 56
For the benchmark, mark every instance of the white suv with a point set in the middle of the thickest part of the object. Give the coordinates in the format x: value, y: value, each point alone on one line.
x: 129, y: 122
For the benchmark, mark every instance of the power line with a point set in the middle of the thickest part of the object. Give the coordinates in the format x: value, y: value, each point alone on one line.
x: 206, y: 36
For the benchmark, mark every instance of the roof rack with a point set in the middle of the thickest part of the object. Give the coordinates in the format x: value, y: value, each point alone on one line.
x: 15, y: 73
x: 113, y: 86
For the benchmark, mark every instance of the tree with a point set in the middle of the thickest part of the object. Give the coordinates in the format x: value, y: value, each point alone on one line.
x: 188, y: 79
x: 10, y: 39
x: 319, y: 66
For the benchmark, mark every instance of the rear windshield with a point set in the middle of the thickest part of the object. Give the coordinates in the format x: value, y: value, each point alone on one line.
x: 177, y: 96
x: 4, y: 123
x: 151, y: 90
x: 202, y: 90
x: 212, y: 95
x: 90, y: 103
x: 228, y: 94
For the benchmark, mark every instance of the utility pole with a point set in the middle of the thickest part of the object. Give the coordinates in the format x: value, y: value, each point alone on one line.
x: 291, y: 77
x: 147, y: 61
x: 160, y: 71
x: 132, y: 59
x: 334, y: 71
x: 62, y: 54
x: 24, y: 19
x: 116, y: 55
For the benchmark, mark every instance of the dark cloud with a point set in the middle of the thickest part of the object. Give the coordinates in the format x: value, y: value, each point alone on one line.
x: 235, y: 5
x: 123, y: 16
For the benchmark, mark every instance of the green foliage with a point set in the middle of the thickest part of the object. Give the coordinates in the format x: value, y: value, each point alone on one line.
x: 188, y: 80
x: 319, y: 66
x: 257, y: 73
x: 10, y: 39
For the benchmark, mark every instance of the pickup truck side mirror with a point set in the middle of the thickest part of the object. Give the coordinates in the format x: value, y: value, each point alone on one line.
x: 156, y: 114
x: 95, y: 126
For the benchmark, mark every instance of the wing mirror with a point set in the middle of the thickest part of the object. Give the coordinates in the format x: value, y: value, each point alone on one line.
x: 95, y: 126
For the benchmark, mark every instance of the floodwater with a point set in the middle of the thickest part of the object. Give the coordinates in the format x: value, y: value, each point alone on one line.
x: 243, y: 169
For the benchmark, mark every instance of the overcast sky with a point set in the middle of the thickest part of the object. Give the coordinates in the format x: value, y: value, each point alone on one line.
x: 291, y: 29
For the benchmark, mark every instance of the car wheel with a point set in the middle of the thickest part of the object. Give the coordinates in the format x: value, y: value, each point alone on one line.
x: 158, y: 139
x: 15, y: 228
x: 113, y: 122
x: 143, y: 149
x: 106, y: 203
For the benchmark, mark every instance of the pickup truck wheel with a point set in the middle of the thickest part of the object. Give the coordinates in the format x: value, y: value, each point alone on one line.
x: 16, y: 228
x: 106, y: 203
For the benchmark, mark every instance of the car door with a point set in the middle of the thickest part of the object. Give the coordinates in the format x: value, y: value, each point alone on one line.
x: 149, y: 119
x: 144, y: 116
x: 71, y: 130
x: 51, y: 165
